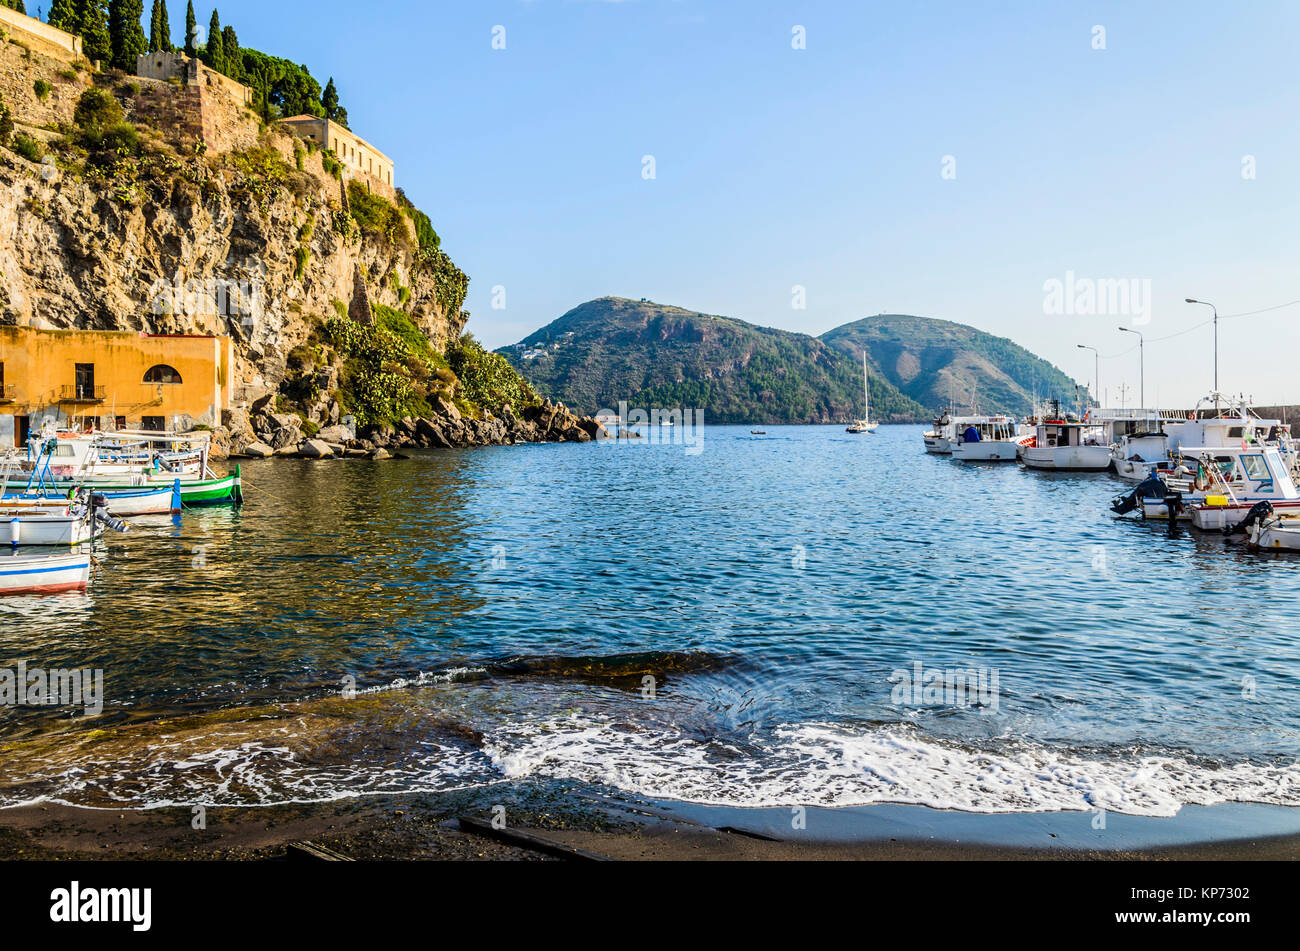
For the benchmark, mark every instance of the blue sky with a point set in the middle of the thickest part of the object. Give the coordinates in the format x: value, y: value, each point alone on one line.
x: 822, y: 167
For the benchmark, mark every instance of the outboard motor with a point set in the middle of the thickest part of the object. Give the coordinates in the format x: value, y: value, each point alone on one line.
x: 1152, y: 488
x: 102, y: 515
x: 1257, y: 514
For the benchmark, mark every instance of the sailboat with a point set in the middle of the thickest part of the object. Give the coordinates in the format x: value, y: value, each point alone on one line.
x: 864, y: 425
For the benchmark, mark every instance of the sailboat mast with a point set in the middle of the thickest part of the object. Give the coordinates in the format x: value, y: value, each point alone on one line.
x: 866, y: 389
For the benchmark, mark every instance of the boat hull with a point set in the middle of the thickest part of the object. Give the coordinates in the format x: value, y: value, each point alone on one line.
x: 120, y: 503
x: 194, y: 494
x: 986, y: 451
x: 45, y: 529
x: 52, y: 574
x: 938, y: 445
x: 1072, y: 458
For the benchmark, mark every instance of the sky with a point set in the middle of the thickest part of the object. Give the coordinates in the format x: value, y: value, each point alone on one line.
x: 940, y: 159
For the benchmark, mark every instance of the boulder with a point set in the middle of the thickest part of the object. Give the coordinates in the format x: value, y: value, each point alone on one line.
x: 336, y: 433
x: 315, y: 449
x: 431, y: 435
x: 258, y: 450
x: 380, y: 454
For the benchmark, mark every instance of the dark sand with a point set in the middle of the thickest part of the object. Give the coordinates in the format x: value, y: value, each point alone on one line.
x: 419, y: 827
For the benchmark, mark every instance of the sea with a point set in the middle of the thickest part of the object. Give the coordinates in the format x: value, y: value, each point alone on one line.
x: 797, y: 617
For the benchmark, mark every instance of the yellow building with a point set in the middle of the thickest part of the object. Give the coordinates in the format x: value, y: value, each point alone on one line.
x: 110, y: 380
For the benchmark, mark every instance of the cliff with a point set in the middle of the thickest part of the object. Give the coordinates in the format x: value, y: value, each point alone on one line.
x: 169, y: 207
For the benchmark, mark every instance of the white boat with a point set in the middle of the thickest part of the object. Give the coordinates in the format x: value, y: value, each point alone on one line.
x: 864, y: 425
x: 82, y: 518
x: 943, y: 439
x: 1220, y: 491
x: 46, y: 574
x: 989, y: 439
x: 1062, y: 443
x: 1276, y: 533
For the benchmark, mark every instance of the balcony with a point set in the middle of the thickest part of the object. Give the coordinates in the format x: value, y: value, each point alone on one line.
x: 8, y: 394
x: 79, y: 393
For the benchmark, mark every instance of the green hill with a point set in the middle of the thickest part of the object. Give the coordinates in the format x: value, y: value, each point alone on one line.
x: 937, y: 361
x: 653, y: 355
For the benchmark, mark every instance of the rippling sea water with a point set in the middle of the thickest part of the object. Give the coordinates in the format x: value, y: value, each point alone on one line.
x: 499, y: 610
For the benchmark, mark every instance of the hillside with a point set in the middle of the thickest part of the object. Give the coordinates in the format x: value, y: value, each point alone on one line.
x: 654, y: 355
x: 171, y: 206
x: 938, y: 361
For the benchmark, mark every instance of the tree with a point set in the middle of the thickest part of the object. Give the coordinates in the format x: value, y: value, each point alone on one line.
x: 126, y: 35
x: 63, y: 15
x: 91, y: 20
x: 191, y: 30
x: 160, y: 30
x: 232, y: 61
x: 329, y: 99
x: 14, y: 5
x: 216, y: 57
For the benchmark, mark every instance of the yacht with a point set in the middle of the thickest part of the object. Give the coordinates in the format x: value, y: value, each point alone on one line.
x: 864, y: 425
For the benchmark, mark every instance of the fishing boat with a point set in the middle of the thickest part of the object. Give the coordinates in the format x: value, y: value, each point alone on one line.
x: 125, y: 502
x: 1275, y: 532
x: 989, y: 439
x: 1220, y: 492
x: 1066, y: 443
x: 864, y: 425
x: 81, y: 519
x: 112, y: 463
x: 44, y: 574
x: 943, y: 439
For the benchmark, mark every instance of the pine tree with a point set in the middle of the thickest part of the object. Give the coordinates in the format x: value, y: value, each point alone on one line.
x: 63, y: 16
x: 125, y: 32
x: 191, y: 30
x: 216, y: 54
x: 91, y: 20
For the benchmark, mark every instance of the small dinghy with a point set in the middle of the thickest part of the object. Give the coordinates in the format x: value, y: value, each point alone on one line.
x: 44, y: 574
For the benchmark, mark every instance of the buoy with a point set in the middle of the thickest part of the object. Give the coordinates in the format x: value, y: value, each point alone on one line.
x: 176, y: 497
x: 15, y: 531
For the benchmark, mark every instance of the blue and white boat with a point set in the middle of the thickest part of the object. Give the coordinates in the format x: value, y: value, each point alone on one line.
x: 44, y: 574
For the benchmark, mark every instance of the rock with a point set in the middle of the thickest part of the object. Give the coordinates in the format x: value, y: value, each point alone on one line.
x: 445, y: 407
x: 431, y: 434
x: 380, y: 454
x: 258, y: 450
x: 315, y: 449
x: 576, y: 434
x: 593, y: 428
x: 339, y: 434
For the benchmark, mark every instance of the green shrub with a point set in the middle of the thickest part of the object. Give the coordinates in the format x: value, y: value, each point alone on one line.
x: 376, y: 216
x: 42, y: 89
x: 97, y: 109
x: 301, y: 258
x: 6, y: 125
x: 487, y: 379
x: 28, y: 148
x: 69, y: 74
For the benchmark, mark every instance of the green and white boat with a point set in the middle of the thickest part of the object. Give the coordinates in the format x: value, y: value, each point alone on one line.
x: 113, y: 462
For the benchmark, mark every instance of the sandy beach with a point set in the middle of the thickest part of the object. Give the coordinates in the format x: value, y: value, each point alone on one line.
x: 560, y: 825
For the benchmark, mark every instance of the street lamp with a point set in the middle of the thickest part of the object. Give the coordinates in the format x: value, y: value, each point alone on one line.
x: 1096, y: 380
x: 1216, y: 345
x: 1142, y: 360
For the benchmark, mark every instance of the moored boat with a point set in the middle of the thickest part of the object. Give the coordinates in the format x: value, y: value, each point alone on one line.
x: 44, y: 574
x: 988, y: 439
x: 1066, y: 443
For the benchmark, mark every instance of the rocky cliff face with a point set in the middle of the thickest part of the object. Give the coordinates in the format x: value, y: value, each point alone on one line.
x: 202, y: 246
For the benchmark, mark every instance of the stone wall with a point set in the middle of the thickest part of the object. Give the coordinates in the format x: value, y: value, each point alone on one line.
x: 21, y: 67
x: 40, y: 37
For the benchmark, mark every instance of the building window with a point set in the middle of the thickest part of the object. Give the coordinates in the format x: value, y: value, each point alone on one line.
x: 153, y: 424
x: 162, y: 373
x: 85, y: 380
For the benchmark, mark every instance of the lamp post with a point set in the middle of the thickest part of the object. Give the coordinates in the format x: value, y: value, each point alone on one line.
x: 1216, y: 344
x: 1096, y: 380
x: 1142, y: 365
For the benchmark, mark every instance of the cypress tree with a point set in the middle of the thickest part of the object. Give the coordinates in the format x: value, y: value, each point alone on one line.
x: 230, y: 52
x: 125, y: 32
x: 63, y: 16
x: 216, y: 55
x: 329, y: 100
x: 91, y: 19
x: 191, y: 30
x: 160, y: 40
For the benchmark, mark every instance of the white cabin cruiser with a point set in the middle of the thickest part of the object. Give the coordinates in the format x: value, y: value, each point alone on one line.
x: 1219, y: 493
